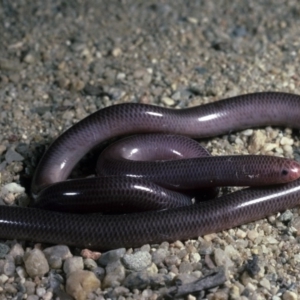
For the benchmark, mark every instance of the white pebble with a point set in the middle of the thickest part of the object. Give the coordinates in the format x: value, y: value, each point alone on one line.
x: 13, y: 188
x: 269, y: 146
x: 286, y: 141
x: 288, y: 149
x: 247, y: 132
x: 168, y: 101
x: 40, y: 291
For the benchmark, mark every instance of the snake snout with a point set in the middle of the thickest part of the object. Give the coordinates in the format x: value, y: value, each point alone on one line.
x: 291, y: 172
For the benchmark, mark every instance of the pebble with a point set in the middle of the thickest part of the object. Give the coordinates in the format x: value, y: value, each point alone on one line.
x: 40, y: 291
x: 3, y: 278
x: 116, y: 52
x: 137, y: 280
x: 252, y: 235
x: 86, y: 253
x: 80, y: 283
x: 3, y: 250
x: 90, y: 264
x: 33, y: 297
x: 73, y: 264
x: 36, y: 263
x: 287, y: 216
x: 115, y: 274
x: 13, y: 188
x: 137, y: 261
x: 256, y: 142
x: 16, y: 251
x: 9, y: 266
x: 30, y: 287
x: 289, y: 295
x: 286, y: 141
x: 222, y: 259
x: 56, y: 255
x: 265, y: 283
x: 11, y: 155
x: 111, y: 256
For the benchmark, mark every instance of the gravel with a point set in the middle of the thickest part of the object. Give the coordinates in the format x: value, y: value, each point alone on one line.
x: 62, y: 60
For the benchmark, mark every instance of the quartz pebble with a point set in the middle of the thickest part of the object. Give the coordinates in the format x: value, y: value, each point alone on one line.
x: 36, y: 263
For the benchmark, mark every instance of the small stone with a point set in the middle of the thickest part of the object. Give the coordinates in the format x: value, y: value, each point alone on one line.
x: 205, y: 247
x: 222, y: 259
x: 221, y: 294
x: 86, y: 253
x: 3, y: 250
x: 9, y: 65
x: 56, y: 254
x: 296, y: 224
x: 2, y: 149
x: 40, y: 291
x: 256, y: 142
x: 11, y: 155
x: 178, y: 244
x: 116, y: 52
x: 192, y: 20
x: 10, y: 289
x: 288, y: 149
x: 271, y: 240
x: 80, y: 283
x: 289, y: 295
x: 16, y: 251
x: 235, y: 293
x: 286, y: 141
x: 287, y: 216
x: 137, y: 280
x: 9, y: 266
x: 172, y: 260
x: 137, y: 261
x: 159, y: 255
x: 36, y: 263
x: 73, y: 264
x: 3, y: 278
x: 111, y: 256
x: 68, y: 115
x: 252, y: 235
x: 195, y: 257
x: 48, y: 296
x: 30, y: 58
x: 265, y: 283
x: 9, y: 198
x: 185, y: 268
x: 269, y: 147
x: 90, y: 264
x: 32, y: 297
x: 21, y: 272
x: 168, y: 101
x: 120, y: 291
x: 231, y: 252
x: 115, y: 274
x: 241, y: 234
x: 247, y: 132
x: 13, y: 188
x: 30, y: 287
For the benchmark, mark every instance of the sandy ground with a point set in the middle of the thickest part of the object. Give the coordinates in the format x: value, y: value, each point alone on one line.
x: 62, y: 60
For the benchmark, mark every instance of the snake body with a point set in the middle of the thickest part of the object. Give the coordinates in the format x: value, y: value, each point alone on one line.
x: 135, y: 229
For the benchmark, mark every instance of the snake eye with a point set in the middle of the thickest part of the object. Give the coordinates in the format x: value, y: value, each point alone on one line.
x: 284, y: 172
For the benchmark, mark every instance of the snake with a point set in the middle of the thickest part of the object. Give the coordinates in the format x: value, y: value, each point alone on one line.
x: 182, y: 220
